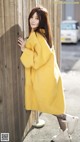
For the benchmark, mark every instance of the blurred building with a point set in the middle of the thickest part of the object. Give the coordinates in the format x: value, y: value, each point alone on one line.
x: 71, y: 8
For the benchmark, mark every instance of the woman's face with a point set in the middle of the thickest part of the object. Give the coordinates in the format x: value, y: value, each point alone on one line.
x: 34, y: 21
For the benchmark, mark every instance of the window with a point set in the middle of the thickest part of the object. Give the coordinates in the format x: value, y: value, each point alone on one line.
x: 68, y: 26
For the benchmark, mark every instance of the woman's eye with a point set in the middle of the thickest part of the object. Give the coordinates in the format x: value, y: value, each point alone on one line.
x: 35, y: 18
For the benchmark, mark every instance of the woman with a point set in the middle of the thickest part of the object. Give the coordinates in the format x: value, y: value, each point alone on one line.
x: 43, y: 83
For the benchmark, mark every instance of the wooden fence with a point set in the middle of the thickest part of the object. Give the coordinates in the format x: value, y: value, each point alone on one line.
x: 13, y: 21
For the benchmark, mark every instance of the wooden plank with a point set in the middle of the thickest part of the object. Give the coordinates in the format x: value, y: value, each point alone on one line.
x: 8, y: 83
x: 58, y: 45
x: 0, y: 89
x: 20, y: 73
x: 1, y: 67
x: 15, y: 107
x: 4, y: 121
x: 56, y: 33
x: 17, y: 76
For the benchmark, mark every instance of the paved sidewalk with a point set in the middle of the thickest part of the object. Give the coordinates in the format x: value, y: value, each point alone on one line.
x: 71, y: 83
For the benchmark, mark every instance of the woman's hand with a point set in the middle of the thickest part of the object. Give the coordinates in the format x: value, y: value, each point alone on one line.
x: 21, y: 43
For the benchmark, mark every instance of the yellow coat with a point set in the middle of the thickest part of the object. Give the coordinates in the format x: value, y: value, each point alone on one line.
x: 43, y: 83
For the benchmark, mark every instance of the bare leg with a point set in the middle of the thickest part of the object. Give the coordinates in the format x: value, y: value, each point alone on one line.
x: 67, y: 121
x: 67, y: 124
x: 63, y: 133
x: 62, y: 123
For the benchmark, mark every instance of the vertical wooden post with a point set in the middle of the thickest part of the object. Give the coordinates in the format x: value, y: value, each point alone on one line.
x: 20, y: 15
x: 57, y: 21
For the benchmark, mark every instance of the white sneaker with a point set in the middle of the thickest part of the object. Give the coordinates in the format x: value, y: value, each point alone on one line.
x: 63, y: 136
x: 72, y: 122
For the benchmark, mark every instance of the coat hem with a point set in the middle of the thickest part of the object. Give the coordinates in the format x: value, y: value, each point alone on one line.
x: 41, y: 111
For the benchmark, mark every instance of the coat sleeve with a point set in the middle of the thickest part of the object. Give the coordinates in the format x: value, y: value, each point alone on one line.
x: 36, y: 53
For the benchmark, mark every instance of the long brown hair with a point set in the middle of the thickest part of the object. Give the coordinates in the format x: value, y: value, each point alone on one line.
x: 43, y: 23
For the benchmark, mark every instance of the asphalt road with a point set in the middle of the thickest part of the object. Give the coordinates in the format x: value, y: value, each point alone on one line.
x: 70, y: 55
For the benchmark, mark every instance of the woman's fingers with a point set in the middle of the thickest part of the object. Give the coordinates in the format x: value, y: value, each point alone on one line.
x: 20, y: 42
x: 20, y: 38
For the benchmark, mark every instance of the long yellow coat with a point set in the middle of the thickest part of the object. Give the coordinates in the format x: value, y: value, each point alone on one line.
x: 43, y: 84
